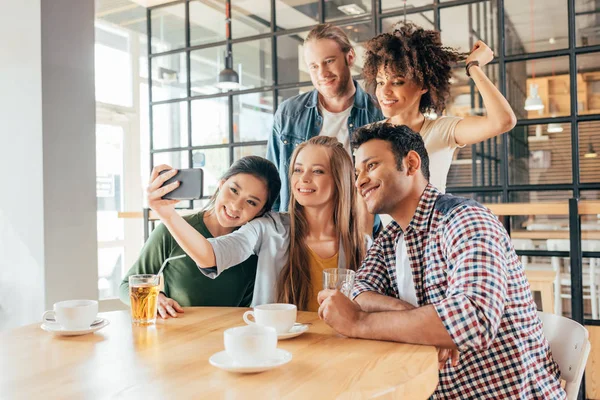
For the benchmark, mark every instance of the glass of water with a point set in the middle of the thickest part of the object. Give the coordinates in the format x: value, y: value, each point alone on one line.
x: 340, y: 279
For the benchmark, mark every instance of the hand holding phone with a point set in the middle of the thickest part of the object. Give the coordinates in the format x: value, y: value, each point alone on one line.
x: 190, y: 184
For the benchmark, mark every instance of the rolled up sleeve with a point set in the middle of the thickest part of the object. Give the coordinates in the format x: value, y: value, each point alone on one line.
x: 372, y: 275
x: 477, y: 280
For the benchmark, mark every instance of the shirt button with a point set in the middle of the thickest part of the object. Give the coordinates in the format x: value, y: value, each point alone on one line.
x: 350, y: 125
x: 285, y: 142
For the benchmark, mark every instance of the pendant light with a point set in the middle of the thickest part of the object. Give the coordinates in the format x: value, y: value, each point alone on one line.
x: 533, y: 102
x: 228, y: 78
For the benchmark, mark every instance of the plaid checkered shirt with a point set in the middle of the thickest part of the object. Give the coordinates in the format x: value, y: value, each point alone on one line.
x: 463, y: 263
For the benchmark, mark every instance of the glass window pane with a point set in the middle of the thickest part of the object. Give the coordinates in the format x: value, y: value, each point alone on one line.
x: 214, y: 162
x: 168, y: 28
x: 169, y: 125
x: 291, y: 67
x: 543, y: 29
x: 252, y: 61
x: 175, y: 159
x: 422, y: 19
x: 288, y: 93
x: 207, y: 22
x: 296, y: 13
x: 587, y: 22
x: 464, y: 97
x: 387, y: 5
x: 540, y: 154
x: 477, y: 165
x: 358, y: 34
x: 462, y: 26
x: 548, y: 77
x: 250, y: 17
x: 243, y: 151
x: 588, y: 83
x: 589, y: 151
x: 334, y: 10
x: 205, y: 65
x: 210, y: 121
x: 169, y: 77
x: 110, y: 271
x: 252, y: 117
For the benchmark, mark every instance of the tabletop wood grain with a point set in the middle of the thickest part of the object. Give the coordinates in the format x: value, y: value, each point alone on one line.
x: 170, y: 361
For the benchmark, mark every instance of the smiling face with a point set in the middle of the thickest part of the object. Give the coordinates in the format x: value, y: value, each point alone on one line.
x: 378, y: 179
x: 312, y: 181
x: 240, y: 199
x: 328, y: 66
x: 396, y: 94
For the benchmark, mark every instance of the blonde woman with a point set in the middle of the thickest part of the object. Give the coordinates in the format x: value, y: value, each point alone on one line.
x: 321, y: 231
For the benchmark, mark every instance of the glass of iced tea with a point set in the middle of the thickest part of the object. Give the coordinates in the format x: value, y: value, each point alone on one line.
x: 143, y: 293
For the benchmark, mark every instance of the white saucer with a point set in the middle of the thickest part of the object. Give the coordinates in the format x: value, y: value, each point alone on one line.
x: 223, y: 361
x: 296, y: 330
x: 56, y: 329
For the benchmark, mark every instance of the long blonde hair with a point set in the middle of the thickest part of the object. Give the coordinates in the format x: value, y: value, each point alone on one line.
x: 294, y: 284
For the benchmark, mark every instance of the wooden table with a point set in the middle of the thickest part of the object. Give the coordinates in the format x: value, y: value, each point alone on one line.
x: 170, y: 361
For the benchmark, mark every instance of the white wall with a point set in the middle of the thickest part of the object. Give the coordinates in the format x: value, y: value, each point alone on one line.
x: 47, y: 156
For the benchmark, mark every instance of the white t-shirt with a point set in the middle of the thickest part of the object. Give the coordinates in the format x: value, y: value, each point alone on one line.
x: 406, y: 285
x: 336, y: 125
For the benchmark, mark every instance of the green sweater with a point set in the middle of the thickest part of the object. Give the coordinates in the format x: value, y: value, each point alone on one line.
x: 184, y: 283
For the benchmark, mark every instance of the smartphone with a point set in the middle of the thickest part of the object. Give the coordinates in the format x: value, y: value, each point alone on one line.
x: 190, y: 184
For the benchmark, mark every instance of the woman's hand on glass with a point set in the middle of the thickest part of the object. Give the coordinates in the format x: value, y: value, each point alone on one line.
x: 156, y: 191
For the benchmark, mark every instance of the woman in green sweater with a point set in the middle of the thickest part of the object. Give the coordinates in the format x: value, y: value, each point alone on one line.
x: 247, y: 190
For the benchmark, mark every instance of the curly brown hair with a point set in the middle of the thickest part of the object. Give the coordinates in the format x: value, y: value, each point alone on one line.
x: 416, y: 54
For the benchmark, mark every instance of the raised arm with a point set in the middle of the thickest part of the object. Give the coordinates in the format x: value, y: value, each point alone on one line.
x: 196, y: 246
x: 499, y: 116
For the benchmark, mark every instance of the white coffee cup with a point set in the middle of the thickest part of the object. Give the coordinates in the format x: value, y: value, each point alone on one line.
x: 250, y: 345
x: 279, y: 316
x: 73, y: 314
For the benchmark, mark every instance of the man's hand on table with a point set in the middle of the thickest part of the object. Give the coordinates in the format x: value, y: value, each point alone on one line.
x: 168, y: 307
x: 339, y: 312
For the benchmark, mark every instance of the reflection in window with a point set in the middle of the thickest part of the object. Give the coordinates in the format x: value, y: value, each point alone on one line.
x: 546, y: 80
x: 588, y: 83
x: 210, y: 121
x: 215, y: 163
x: 589, y: 151
x: 462, y: 26
x: 253, y: 117
x: 295, y: 14
x: 169, y: 125
x: 423, y: 19
x: 540, y: 154
x: 587, y: 17
x: 535, y: 25
x: 168, y: 28
x: 399, y: 5
x: 244, y: 151
x: 169, y: 77
x: 339, y: 10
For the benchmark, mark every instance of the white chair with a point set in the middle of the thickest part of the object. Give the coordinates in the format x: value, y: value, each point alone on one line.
x: 591, y: 278
x: 570, y: 345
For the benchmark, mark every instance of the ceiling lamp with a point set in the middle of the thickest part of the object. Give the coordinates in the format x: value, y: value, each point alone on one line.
x: 228, y: 78
x: 591, y: 153
x: 555, y: 128
x: 533, y: 102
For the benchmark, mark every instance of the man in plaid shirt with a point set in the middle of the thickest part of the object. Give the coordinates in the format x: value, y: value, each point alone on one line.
x: 467, y: 286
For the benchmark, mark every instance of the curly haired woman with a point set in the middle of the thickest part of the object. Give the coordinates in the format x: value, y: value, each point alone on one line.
x: 411, y: 70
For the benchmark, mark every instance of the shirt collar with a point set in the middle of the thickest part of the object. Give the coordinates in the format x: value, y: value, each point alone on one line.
x: 424, y: 209
x: 360, y: 98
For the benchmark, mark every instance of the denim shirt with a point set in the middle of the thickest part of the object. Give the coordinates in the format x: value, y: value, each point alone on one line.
x: 298, y: 119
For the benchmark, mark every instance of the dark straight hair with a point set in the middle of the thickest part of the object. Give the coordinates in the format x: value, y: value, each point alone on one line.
x: 260, y: 168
